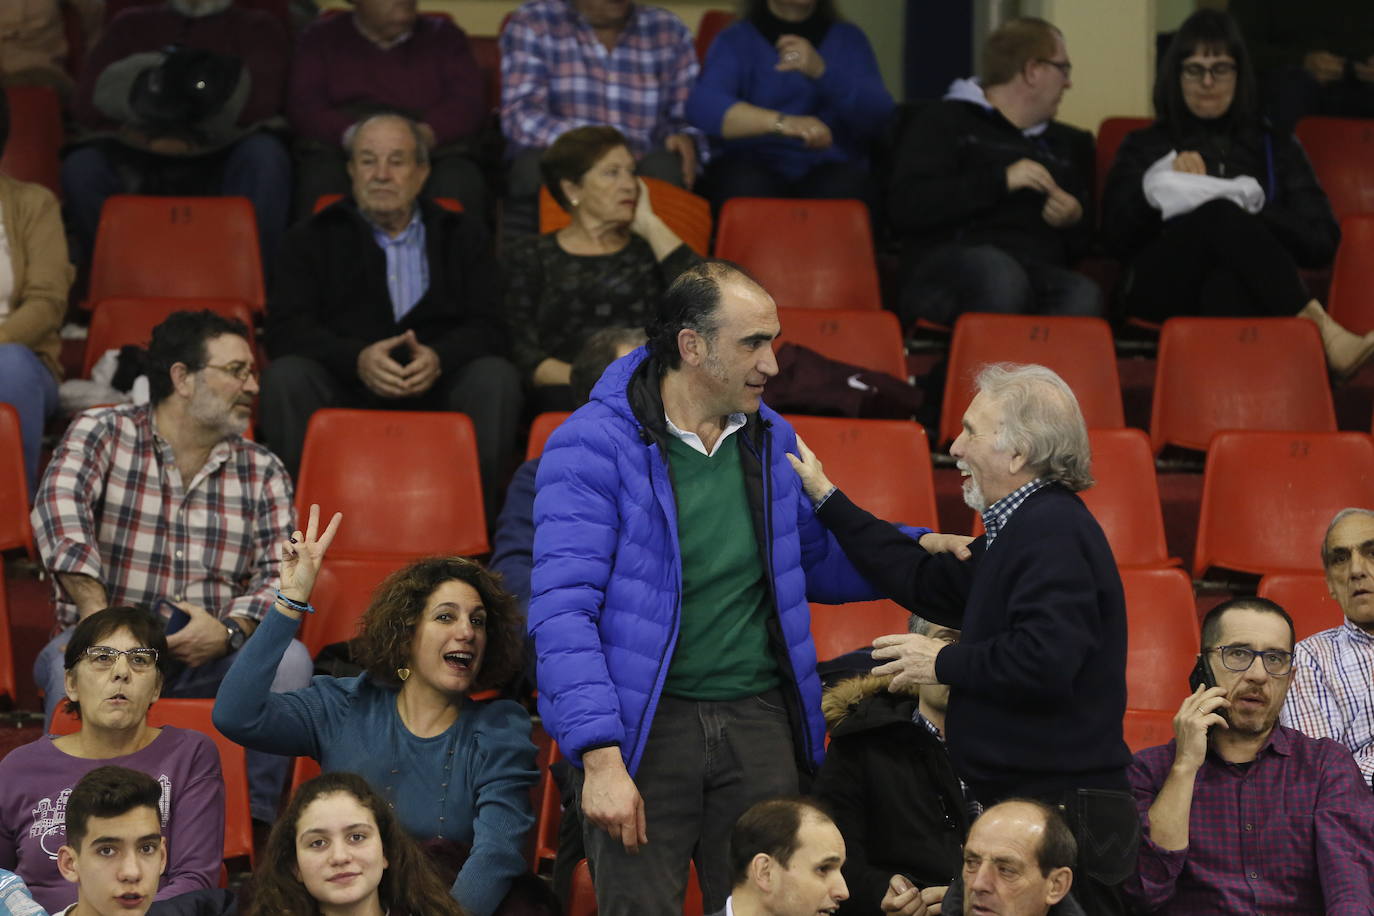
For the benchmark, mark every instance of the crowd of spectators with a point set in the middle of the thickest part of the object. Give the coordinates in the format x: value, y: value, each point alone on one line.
x: 653, y: 570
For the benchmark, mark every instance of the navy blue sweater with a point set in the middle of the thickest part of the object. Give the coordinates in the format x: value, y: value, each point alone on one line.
x: 1039, y: 675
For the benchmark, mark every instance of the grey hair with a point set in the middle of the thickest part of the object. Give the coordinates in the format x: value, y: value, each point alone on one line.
x: 1336, y: 520
x: 421, y: 144
x: 1040, y: 421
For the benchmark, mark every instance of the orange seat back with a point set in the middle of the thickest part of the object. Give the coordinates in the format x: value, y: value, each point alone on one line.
x: 540, y: 430
x: 15, y: 529
x: 1081, y: 350
x: 806, y: 253
x: 1351, y: 297
x: 862, y: 337
x: 1145, y: 728
x: 1307, y: 599
x: 1342, y: 155
x: 36, y: 134
x: 1162, y: 637
x: 1110, y: 133
x: 121, y: 321
x: 1238, y: 373
x: 687, y: 214
x: 1267, y: 497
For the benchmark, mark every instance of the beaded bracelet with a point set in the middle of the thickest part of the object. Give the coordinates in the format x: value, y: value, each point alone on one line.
x: 294, y: 604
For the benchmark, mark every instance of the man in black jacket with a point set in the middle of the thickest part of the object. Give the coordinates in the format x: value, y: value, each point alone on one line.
x: 387, y: 301
x: 990, y: 195
x: 1037, y: 680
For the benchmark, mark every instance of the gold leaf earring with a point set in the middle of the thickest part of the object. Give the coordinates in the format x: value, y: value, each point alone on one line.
x: 403, y: 673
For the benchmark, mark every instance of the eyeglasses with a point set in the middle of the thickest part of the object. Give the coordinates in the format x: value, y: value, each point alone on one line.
x: 1063, y: 66
x: 1239, y: 658
x: 103, y: 658
x: 241, y: 371
x: 1220, y: 72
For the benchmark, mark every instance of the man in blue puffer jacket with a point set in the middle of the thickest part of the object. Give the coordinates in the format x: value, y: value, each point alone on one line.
x: 674, y: 557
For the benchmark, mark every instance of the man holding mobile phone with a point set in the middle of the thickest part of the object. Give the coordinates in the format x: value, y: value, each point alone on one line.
x: 1242, y: 815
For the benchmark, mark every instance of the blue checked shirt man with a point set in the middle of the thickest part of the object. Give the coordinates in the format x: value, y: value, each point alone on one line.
x: 1332, y: 692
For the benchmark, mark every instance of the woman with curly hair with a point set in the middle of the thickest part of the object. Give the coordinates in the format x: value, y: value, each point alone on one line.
x: 453, y: 769
x: 340, y: 848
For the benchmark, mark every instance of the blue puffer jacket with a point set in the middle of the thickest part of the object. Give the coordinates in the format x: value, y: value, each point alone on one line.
x: 607, y: 582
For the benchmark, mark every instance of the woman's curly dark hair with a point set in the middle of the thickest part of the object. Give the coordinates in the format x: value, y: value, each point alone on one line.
x: 410, y: 884
x: 386, y: 633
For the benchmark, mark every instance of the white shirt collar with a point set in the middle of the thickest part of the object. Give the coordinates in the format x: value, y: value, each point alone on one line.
x: 734, y: 422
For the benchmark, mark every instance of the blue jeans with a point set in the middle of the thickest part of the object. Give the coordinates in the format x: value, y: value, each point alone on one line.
x: 266, y: 772
x: 954, y: 279
x: 27, y: 385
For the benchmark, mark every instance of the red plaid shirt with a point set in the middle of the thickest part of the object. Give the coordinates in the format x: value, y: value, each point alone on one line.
x: 1291, y: 833
x: 112, y: 506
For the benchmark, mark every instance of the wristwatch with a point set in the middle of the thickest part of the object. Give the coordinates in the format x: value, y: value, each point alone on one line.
x: 234, y: 634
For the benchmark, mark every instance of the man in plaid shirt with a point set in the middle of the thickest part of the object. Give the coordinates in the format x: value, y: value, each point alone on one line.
x: 168, y: 502
x: 570, y: 63
x: 1242, y: 815
x: 1333, y: 671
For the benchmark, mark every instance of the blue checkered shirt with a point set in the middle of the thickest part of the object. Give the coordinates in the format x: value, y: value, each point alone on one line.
x: 996, y: 515
x: 557, y: 75
x: 407, y: 265
x: 1332, y: 691
x: 971, y: 804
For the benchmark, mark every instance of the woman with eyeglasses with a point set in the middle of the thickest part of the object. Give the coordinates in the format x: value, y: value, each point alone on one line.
x: 1212, y: 209
x: 116, y: 662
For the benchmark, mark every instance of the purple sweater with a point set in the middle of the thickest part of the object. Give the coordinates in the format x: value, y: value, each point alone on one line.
x: 337, y: 74
x: 36, y: 779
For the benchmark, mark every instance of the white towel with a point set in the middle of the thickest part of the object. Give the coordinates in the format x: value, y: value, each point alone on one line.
x: 1175, y: 193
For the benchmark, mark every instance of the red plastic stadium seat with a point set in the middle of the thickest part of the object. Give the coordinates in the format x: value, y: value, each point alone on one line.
x: 884, y: 466
x: 540, y: 430
x: 1079, y: 349
x: 687, y: 214
x: 8, y: 686
x: 342, y: 592
x: 1125, y: 498
x: 15, y: 530
x: 31, y: 153
x: 1351, y: 298
x: 548, y: 809
x: 806, y: 253
x: 712, y: 23
x: 1110, y: 133
x: 1342, y: 154
x: 1238, y: 373
x: 1144, y: 728
x: 1163, y: 638
x: 408, y: 480
x: 177, y: 248
x: 1267, y: 497
x: 861, y: 337
x: 1306, y: 598
x: 120, y: 321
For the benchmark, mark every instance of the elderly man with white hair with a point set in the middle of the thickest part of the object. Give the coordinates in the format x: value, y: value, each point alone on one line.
x: 1037, y: 680
x: 1331, y: 694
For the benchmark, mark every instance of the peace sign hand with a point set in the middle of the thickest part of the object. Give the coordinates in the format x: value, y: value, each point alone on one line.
x: 302, y: 555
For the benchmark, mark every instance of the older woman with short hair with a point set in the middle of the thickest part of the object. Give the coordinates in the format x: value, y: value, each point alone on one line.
x: 116, y: 663
x: 1214, y: 210
x: 607, y: 267
x: 453, y: 769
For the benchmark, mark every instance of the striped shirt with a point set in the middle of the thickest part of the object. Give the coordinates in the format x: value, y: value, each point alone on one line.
x: 1332, y: 694
x: 407, y: 264
x: 995, y: 517
x: 112, y: 506
x: 557, y: 75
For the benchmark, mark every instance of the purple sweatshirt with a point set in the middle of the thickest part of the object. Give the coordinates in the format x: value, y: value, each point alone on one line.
x: 36, y: 779
x: 337, y: 74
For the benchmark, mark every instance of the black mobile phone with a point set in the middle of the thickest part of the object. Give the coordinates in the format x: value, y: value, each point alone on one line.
x: 173, y: 617
x: 1202, y: 676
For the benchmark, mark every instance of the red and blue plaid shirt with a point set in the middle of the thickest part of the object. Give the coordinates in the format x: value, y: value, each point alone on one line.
x: 557, y: 75
x: 1292, y: 832
x: 112, y: 506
